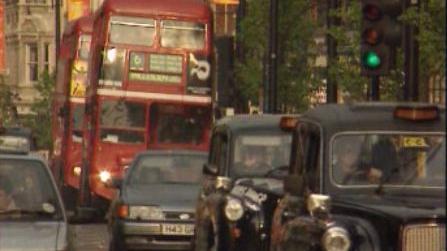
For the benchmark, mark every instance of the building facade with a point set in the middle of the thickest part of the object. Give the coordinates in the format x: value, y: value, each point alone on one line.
x: 30, y: 47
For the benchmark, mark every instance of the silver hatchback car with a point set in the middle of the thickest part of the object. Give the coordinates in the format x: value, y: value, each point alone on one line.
x: 32, y: 215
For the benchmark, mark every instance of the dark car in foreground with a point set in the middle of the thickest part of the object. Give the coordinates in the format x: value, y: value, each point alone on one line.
x: 154, y: 209
x: 32, y: 215
x: 242, y: 183
x: 366, y: 176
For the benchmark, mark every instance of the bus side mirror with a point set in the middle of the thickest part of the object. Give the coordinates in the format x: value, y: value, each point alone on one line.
x: 210, y: 169
x: 294, y: 184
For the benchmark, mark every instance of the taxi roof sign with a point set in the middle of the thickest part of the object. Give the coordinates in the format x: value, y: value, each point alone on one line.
x: 417, y: 112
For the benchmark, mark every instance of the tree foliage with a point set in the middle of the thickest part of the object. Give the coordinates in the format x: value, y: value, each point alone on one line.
x: 40, y: 119
x: 8, y: 111
x: 295, y: 38
x: 296, y: 46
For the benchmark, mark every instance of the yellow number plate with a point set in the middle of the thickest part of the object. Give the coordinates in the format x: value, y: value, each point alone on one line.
x: 177, y: 229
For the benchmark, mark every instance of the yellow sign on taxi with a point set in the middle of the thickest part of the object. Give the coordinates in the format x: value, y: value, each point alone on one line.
x: 408, y: 142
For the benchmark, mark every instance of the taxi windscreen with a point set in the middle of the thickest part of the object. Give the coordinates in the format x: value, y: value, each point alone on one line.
x: 389, y: 159
x: 255, y: 155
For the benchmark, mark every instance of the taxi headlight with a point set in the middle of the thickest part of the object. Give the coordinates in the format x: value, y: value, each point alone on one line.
x: 336, y: 239
x: 146, y: 213
x: 234, y: 209
x: 104, y: 176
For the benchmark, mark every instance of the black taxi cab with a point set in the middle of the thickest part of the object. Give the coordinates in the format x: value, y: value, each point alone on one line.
x: 246, y: 159
x: 366, y: 176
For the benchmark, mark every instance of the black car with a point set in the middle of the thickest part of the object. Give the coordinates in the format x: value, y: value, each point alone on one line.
x: 154, y: 208
x: 247, y: 157
x: 366, y: 176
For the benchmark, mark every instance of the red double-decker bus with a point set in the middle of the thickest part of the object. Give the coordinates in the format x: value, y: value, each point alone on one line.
x: 68, y: 105
x: 150, y: 85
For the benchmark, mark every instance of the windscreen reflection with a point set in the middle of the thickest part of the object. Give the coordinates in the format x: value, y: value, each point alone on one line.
x: 165, y: 169
x: 26, y: 191
x: 391, y: 159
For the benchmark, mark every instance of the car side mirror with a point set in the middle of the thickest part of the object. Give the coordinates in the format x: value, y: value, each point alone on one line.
x: 294, y: 184
x: 210, y: 169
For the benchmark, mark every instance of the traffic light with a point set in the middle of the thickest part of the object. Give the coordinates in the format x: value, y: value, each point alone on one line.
x: 380, y: 34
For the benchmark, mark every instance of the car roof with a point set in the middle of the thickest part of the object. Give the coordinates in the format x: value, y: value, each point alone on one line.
x: 250, y: 121
x: 22, y: 156
x: 372, y: 116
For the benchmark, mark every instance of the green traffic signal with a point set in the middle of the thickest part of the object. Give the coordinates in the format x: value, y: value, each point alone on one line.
x: 371, y: 60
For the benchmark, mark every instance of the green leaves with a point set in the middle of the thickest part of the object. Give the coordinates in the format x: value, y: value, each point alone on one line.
x: 295, y: 41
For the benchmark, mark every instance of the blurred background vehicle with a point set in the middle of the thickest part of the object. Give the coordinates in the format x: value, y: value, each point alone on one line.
x: 154, y: 208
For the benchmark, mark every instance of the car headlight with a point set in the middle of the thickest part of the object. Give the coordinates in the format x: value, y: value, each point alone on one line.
x: 146, y: 213
x: 336, y: 239
x: 234, y: 209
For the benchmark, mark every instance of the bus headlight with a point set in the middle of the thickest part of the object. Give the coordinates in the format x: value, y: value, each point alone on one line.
x: 77, y: 170
x: 336, y: 239
x: 234, y: 209
x: 104, y: 176
x: 146, y: 213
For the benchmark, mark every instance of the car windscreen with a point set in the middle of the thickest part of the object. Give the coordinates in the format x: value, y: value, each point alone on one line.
x: 26, y: 190
x: 122, y: 122
x: 257, y: 154
x: 166, y: 169
x: 393, y: 159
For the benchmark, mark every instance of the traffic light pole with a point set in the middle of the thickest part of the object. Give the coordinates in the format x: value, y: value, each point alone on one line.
x: 411, y: 59
x: 331, y: 84
x: 374, y: 89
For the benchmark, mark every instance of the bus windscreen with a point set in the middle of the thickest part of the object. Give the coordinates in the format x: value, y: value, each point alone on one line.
x: 179, y: 34
x: 122, y: 122
x: 132, y: 30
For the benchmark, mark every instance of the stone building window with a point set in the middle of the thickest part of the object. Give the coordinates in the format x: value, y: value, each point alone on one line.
x: 32, y: 63
x: 46, y: 57
x: 36, y: 1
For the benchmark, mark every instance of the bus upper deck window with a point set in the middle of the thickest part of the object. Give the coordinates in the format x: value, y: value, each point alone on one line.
x: 84, y: 46
x: 186, y: 35
x: 132, y: 30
